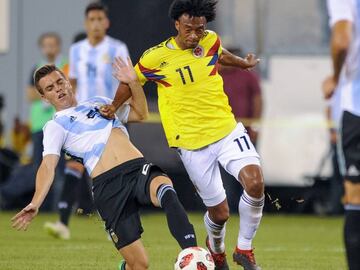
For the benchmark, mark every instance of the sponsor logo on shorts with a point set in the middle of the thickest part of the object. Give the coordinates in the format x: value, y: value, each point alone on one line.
x: 353, y: 171
x: 114, y: 237
x: 145, y: 169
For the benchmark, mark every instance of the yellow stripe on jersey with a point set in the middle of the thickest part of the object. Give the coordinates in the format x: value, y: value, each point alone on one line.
x: 193, y: 107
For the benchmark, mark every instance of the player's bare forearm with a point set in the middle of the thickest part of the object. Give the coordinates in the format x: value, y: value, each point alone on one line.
x: 229, y: 59
x: 340, y: 43
x: 44, y: 179
x: 123, y: 93
x: 138, y: 102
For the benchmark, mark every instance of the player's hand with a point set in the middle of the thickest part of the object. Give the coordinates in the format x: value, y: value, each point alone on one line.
x: 250, y: 61
x: 108, y: 111
x: 124, y: 72
x: 328, y: 87
x: 22, y: 219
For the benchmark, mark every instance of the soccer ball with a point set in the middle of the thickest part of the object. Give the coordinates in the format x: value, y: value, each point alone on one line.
x: 194, y: 258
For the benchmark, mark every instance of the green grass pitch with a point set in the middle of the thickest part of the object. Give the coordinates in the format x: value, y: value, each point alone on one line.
x: 282, y: 242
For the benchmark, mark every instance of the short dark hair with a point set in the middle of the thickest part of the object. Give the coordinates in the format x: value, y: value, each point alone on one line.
x: 195, y: 8
x: 96, y: 6
x: 49, y: 35
x: 41, y: 72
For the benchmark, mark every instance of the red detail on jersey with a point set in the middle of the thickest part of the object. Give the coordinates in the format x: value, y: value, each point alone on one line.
x: 151, y: 76
x: 185, y: 261
x: 215, y: 70
x: 201, y: 266
x: 147, y: 70
x: 214, y: 49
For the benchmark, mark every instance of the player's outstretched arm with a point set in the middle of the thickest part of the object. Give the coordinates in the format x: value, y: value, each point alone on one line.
x: 44, y: 179
x: 129, y: 86
x: 124, y: 72
x: 341, y: 36
x: 228, y: 59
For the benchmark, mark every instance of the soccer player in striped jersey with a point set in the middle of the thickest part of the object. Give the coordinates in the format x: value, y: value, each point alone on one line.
x: 90, y: 73
x: 197, y: 120
x: 122, y: 179
x: 345, y: 51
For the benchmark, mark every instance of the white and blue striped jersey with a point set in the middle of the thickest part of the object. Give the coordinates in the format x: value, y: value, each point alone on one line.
x: 81, y: 132
x: 92, y: 67
x: 349, y: 81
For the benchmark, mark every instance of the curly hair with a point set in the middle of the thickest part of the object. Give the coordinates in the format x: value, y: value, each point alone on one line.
x: 195, y: 8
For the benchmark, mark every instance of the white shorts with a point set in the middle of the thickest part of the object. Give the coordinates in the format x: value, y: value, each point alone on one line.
x: 233, y: 152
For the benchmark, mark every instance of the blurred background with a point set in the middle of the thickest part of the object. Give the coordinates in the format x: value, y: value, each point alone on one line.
x: 286, y: 110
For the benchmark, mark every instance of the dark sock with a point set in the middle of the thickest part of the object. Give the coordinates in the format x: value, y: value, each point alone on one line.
x: 68, y: 196
x: 178, y: 222
x: 352, y: 238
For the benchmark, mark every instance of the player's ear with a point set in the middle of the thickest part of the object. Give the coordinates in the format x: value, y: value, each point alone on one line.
x: 107, y: 23
x: 177, y: 25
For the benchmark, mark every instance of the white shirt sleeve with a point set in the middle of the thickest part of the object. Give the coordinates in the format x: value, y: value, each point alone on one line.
x: 122, y: 51
x: 340, y: 10
x: 123, y: 113
x: 72, y: 63
x: 54, y: 138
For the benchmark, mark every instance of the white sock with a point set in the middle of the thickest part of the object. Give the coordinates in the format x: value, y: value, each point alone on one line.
x: 216, y: 234
x: 250, y: 210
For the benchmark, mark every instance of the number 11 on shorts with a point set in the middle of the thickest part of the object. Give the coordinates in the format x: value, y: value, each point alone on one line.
x: 241, y: 141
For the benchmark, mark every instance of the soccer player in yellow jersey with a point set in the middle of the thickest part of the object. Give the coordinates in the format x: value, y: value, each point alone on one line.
x: 197, y: 120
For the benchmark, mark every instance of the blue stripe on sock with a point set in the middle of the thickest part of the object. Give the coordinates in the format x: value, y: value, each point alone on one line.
x: 352, y: 207
x: 211, y: 224
x: 73, y: 172
x: 162, y: 190
x: 251, y: 202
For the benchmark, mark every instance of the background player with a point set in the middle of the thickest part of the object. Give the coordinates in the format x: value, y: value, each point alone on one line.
x: 90, y: 74
x: 122, y: 179
x: 345, y: 52
x: 198, y: 122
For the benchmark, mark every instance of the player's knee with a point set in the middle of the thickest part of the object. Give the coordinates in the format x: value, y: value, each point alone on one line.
x: 140, y: 263
x: 253, y: 181
x: 352, y: 193
x: 220, y: 215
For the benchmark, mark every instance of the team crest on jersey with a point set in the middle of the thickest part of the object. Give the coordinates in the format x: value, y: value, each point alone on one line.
x: 198, y: 51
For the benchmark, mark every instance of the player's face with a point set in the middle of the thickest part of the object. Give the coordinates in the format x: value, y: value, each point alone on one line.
x: 96, y: 23
x: 57, y: 91
x: 190, y: 30
x: 50, y: 48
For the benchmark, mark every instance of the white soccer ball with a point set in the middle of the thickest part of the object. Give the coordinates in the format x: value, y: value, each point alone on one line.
x: 194, y: 258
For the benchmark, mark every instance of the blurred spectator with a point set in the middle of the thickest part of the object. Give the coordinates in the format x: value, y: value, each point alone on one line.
x: 21, y: 181
x: 243, y: 89
x: 41, y: 112
x: 1, y: 123
x: 333, y: 114
x: 20, y: 137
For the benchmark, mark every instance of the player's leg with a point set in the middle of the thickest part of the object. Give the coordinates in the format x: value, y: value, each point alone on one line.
x: 350, y: 142
x: 163, y: 194
x: 73, y: 173
x: 204, y: 172
x: 239, y: 157
x: 351, y: 226
x: 135, y: 256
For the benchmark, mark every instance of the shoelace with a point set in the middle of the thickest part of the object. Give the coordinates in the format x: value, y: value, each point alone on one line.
x: 219, y: 258
x: 248, y: 253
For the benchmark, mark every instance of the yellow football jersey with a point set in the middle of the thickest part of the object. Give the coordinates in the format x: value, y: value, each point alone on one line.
x: 193, y: 107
